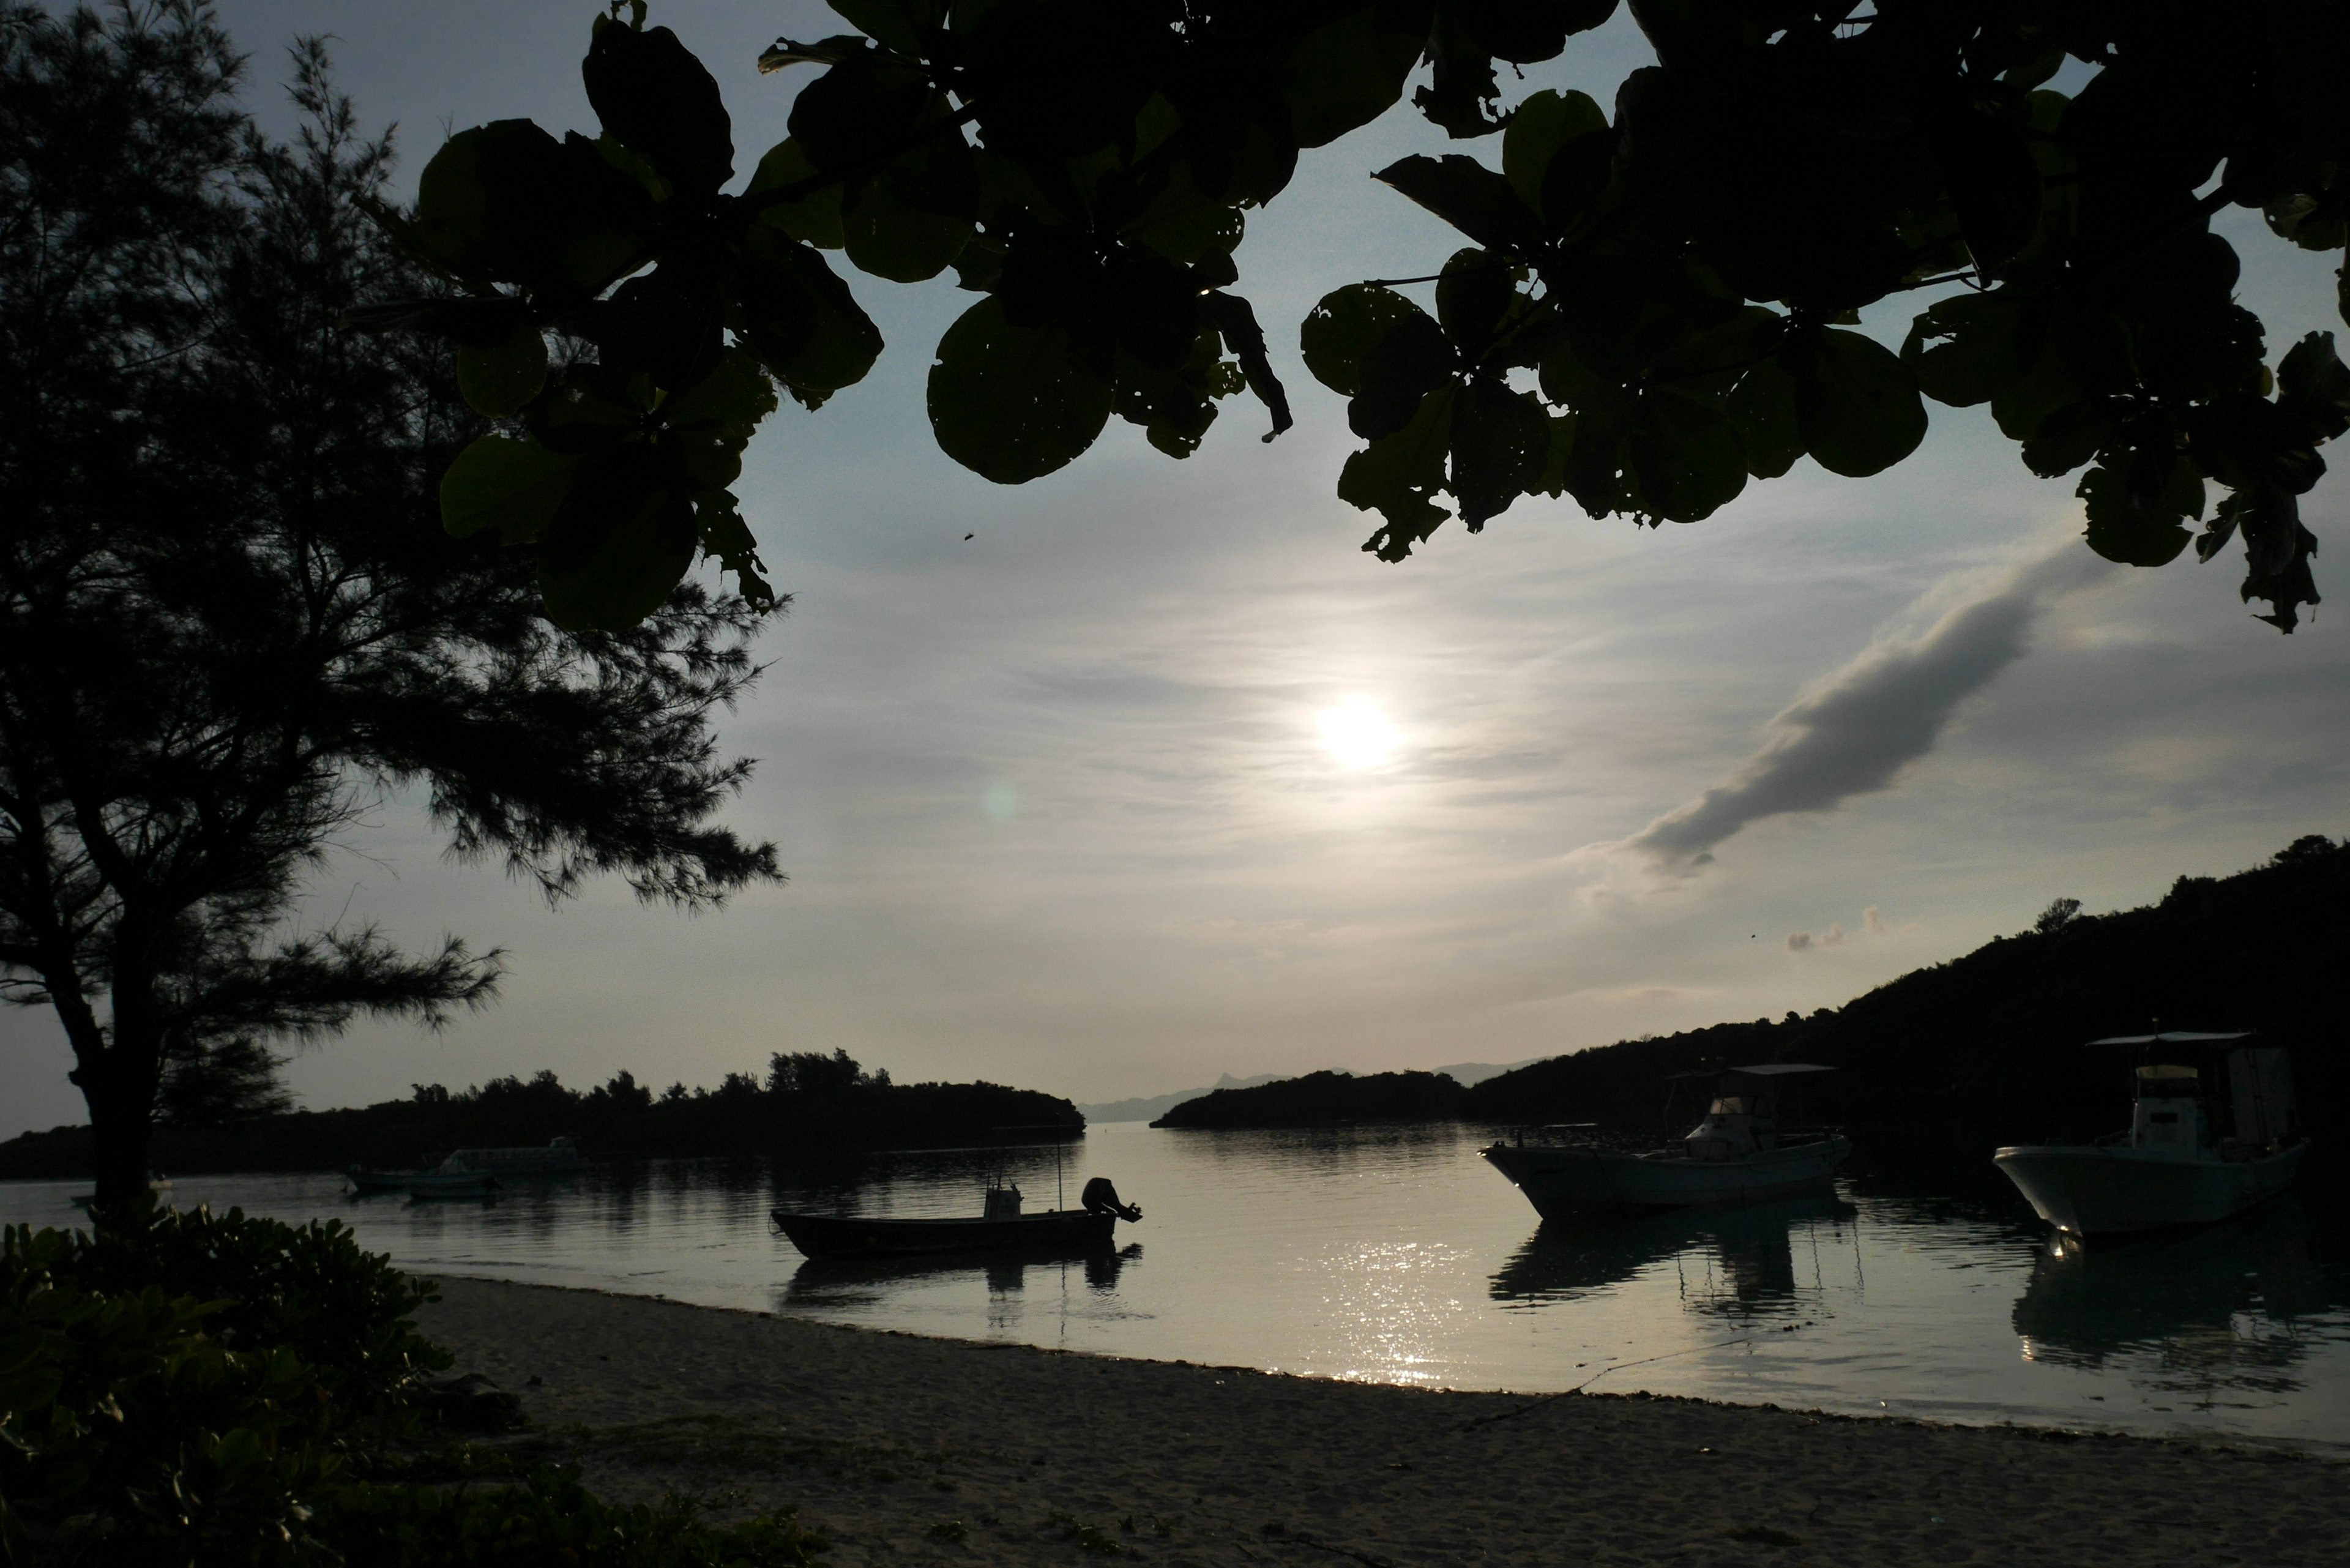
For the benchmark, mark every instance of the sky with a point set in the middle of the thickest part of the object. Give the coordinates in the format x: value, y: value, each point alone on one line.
x: 1158, y: 777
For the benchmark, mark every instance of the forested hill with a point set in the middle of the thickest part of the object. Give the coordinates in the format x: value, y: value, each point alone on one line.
x: 807, y: 1105
x: 1323, y: 1099
x: 1990, y: 1046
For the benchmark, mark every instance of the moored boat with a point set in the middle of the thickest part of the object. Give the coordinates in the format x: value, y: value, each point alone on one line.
x: 999, y: 1227
x: 2195, y: 1152
x: 1737, y: 1154
x: 478, y: 1172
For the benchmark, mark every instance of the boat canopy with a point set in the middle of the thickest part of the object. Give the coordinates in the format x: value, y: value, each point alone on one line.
x: 2167, y: 1071
x: 2174, y: 1037
x: 1781, y: 1069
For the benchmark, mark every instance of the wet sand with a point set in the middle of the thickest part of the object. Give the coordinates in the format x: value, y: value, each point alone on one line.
x: 905, y: 1449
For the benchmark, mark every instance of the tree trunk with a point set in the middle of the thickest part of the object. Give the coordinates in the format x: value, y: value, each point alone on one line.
x: 117, y: 1083
x: 122, y: 1126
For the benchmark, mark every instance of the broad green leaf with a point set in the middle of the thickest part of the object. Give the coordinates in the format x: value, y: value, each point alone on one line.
x: 650, y: 91
x: 725, y: 535
x: 1763, y: 410
x: 729, y: 403
x: 617, y: 547
x: 899, y: 25
x: 1006, y: 401
x: 484, y: 204
x: 1570, y: 383
x: 1501, y: 443
x: 587, y: 408
x: 2314, y: 387
x: 498, y: 380
x: 1473, y: 296
x: 860, y: 108
x: 1348, y: 71
x: 1995, y: 186
x: 1410, y: 361
x: 814, y: 219
x: 1557, y: 459
x: 666, y: 324
x: 1541, y: 124
x: 2066, y: 439
x: 1466, y: 194
x: 1969, y: 349
x: 1397, y: 475
x: 1687, y: 460
x: 1183, y: 223
x: 513, y: 486
x: 910, y: 222
x: 1856, y: 403
x: 1342, y: 330
x: 506, y: 201
x: 803, y: 322
x: 2125, y: 529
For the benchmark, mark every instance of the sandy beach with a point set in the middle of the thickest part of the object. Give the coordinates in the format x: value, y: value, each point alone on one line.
x: 912, y: 1451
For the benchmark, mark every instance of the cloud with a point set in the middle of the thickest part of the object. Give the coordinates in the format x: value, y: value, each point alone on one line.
x: 1853, y: 730
x: 1873, y: 923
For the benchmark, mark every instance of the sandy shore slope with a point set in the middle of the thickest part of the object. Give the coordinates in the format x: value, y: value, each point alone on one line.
x: 912, y: 1451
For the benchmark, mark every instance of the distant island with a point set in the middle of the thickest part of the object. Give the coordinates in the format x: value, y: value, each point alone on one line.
x: 807, y: 1105
x: 1321, y: 1099
x: 1150, y: 1107
x: 1990, y: 1046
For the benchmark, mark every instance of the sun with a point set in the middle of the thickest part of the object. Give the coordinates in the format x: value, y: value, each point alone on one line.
x: 1358, y: 735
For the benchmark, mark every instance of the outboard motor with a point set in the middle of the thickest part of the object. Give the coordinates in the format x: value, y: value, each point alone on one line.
x: 1101, y: 1198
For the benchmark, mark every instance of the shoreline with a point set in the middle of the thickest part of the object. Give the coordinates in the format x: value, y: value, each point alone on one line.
x: 905, y: 1447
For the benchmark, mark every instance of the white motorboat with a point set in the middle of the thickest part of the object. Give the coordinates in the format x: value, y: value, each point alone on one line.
x: 1737, y: 1154
x: 2194, y: 1154
x: 478, y: 1172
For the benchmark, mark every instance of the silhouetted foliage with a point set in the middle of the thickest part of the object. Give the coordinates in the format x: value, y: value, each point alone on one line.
x: 1325, y: 1098
x: 229, y: 621
x: 202, y: 1389
x: 2060, y: 913
x: 1990, y: 1046
x: 210, y: 1083
x: 843, y: 1110
x: 1680, y: 279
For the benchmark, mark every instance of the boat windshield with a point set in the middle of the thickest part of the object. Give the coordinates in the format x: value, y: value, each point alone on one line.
x: 2166, y: 1082
x: 1729, y: 1106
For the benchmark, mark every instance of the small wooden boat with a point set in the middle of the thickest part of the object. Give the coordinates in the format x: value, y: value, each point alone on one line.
x: 2194, y: 1153
x: 1737, y: 1154
x: 1000, y: 1227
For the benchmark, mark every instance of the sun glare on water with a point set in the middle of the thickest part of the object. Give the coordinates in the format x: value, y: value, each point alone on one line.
x: 1358, y: 735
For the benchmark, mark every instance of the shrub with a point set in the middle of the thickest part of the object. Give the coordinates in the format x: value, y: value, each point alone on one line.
x: 202, y: 1389
x: 348, y: 1314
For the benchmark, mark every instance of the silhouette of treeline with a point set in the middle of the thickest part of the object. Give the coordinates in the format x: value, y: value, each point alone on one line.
x: 808, y: 1105
x: 1321, y: 1099
x: 1989, y: 1048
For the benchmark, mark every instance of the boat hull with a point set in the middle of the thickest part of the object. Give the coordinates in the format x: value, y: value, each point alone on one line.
x: 1562, y: 1181
x: 452, y: 1184
x: 1057, y: 1229
x: 2092, y: 1191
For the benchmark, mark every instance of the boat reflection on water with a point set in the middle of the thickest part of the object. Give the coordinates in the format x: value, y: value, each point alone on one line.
x: 2199, y: 1309
x: 832, y: 1283
x: 1735, y: 1261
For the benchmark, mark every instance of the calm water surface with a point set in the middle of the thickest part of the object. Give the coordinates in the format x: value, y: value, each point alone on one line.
x: 1398, y: 1256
